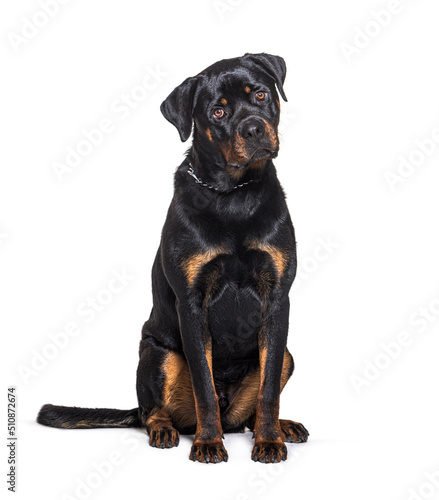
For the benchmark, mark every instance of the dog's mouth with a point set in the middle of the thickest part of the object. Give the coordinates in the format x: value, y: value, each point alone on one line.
x: 258, y: 155
x: 262, y: 154
x: 250, y: 152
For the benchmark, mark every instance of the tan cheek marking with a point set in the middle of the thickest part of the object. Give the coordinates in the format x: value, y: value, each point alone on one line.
x: 247, y: 89
x: 227, y: 151
x: 272, y: 134
x: 235, y: 151
x: 192, y: 265
x: 278, y: 103
x: 209, y: 134
x: 240, y: 146
x: 223, y: 101
x: 279, y: 257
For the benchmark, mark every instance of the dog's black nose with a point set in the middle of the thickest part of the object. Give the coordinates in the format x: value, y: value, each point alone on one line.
x: 252, y: 129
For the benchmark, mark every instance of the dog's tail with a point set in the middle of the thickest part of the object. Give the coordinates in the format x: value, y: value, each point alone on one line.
x: 70, y: 417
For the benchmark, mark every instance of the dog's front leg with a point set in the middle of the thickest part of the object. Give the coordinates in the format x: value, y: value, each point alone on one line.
x: 208, y: 444
x: 269, y: 445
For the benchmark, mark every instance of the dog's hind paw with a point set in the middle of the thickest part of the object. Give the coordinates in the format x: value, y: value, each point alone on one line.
x: 294, y: 432
x: 165, y: 437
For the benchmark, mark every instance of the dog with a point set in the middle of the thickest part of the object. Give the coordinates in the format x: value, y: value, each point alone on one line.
x: 213, y: 355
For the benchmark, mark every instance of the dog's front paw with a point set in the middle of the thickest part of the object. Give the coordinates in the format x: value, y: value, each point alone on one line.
x: 208, y: 452
x: 269, y: 452
x: 294, y: 432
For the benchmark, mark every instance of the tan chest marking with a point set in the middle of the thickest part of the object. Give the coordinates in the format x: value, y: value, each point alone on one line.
x: 279, y: 257
x: 192, y: 265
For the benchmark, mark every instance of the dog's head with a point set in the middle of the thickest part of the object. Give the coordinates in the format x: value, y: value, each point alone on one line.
x: 235, y: 108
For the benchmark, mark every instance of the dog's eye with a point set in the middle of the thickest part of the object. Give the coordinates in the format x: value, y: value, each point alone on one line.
x: 219, y: 113
x: 260, y: 96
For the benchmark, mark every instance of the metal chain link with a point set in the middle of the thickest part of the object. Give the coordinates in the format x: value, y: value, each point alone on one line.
x: 199, y: 181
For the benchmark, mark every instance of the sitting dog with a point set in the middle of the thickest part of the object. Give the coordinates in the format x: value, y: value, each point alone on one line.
x: 213, y: 354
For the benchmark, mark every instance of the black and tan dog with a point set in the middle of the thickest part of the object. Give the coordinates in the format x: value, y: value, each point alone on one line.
x: 213, y: 354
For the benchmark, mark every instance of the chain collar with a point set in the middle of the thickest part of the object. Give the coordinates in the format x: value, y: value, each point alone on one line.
x: 199, y: 181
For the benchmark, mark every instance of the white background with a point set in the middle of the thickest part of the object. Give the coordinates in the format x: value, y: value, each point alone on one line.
x: 346, y: 124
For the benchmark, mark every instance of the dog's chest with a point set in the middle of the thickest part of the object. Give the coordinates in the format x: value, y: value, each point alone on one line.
x: 255, y: 264
x: 234, y: 318
x: 236, y: 288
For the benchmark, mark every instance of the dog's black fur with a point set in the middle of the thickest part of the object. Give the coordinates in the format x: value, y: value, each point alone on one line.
x: 213, y: 354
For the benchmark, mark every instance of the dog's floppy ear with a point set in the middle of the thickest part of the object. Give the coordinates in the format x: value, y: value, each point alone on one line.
x: 273, y: 66
x: 178, y: 106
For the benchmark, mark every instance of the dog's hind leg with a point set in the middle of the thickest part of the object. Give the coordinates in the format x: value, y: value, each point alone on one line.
x: 162, y: 434
x: 165, y: 394
x: 242, y: 408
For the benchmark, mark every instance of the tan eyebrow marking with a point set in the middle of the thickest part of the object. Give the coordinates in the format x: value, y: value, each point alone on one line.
x: 223, y: 101
x: 247, y: 89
